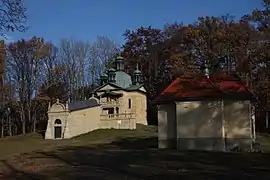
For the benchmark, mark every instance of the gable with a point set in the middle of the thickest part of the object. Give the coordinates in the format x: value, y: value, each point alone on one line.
x: 142, y: 89
x: 135, y: 93
x: 108, y: 86
x: 139, y: 88
x: 57, y: 107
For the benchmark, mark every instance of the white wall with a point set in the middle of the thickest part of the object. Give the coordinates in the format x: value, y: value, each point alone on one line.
x: 83, y: 121
x: 52, y: 116
x: 166, y: 125
x: 199, y: 124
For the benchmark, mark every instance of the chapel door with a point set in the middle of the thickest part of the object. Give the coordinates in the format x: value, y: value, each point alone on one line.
x: 57, y: 132
x: 57, y: 128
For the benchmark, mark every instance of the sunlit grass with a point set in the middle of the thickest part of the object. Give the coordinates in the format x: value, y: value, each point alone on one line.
x: 35, y: 142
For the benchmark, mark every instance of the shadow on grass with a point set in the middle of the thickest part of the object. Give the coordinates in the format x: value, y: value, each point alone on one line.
x: 42, y: 133
x: 14, y: 174
x: 133, y: 143
x: 138, y: 159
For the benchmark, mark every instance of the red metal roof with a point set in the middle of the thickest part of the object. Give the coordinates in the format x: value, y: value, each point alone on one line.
x: 198, y: 88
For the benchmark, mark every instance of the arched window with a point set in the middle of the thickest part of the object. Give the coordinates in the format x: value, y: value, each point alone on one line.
x: 129, y: 103
x: 57, y: 121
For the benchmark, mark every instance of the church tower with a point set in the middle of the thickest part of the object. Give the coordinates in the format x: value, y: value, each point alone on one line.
x: 137, y: 76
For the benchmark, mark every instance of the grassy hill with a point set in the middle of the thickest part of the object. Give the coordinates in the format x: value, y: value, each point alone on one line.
x: 34, y: 141
x: 121, y: 154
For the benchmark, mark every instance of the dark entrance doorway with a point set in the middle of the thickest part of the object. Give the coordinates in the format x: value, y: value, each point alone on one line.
x: 57, y: 129
x: 57, y: 132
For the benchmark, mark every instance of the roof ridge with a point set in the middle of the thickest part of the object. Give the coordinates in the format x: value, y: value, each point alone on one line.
x: 171, y: 84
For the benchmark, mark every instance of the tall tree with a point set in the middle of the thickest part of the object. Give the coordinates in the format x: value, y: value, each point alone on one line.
x: 145, y: 47
x: 102, y: 51
x: 23, y: 64
x: 73, y: 54
x: 142, y: 47
x: 261, y: 19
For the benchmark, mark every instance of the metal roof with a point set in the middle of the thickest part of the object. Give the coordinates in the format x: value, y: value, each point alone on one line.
x: 122, y: 79
x: 77, y: 105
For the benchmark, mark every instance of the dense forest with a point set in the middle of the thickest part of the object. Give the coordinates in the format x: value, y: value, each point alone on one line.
x: 35, y: 72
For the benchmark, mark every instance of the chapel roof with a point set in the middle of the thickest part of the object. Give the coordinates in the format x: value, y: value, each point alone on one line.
x: 217, y: 86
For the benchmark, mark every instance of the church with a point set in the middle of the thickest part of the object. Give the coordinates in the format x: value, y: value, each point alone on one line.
x: 118, y: 103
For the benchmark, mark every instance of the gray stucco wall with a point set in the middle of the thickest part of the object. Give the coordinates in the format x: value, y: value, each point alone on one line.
x: 197, y: 125
x: 166, y: 126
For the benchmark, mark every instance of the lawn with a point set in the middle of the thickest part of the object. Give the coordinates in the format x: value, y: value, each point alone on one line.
x: 35, y: 141
x: 121, y: 154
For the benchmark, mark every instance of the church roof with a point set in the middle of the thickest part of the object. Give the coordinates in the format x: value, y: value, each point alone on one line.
x: 119, y: 78
x: 122, y: 79
x: 111, y: 93
x: 78, y: 105
x: 134, y: 87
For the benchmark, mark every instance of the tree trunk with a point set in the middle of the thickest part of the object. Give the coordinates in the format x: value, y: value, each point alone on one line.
x: 34, y: 121
x: 29, y: 112
x: 29, y: 119
x: 23, y: 121
x: 2, y: 127
x: 9, y: 126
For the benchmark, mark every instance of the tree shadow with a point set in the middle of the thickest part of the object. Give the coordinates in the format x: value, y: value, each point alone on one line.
x: 131, y: 158
x: 134, y: 143
x: 42, y: 133
x: 14, y: 173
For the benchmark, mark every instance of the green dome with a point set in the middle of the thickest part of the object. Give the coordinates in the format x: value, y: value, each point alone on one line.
x: 122, y: 79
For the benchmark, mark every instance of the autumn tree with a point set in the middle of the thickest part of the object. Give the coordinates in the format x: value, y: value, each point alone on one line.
x: 56, y: 88
x: 145, y: 47
x: 142, y: 47
x: 23, y: 61
x: 53, y: 77
x: 219, y: 44
x: 261, y: 19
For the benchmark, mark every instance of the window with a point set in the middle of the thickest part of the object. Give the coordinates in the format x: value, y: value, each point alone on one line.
x: 117, y: 111
x: 111, y: 112
x: 129, y: 103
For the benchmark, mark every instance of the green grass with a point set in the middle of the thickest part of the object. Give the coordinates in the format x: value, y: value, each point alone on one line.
x: 122, y: 154
x: 35, y: 142
x: 264, y: 140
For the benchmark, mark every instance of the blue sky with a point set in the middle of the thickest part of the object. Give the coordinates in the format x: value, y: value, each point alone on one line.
x: 87, y: 19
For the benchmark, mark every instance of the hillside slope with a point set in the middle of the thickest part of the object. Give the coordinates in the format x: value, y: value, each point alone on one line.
x: 35, y: 141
